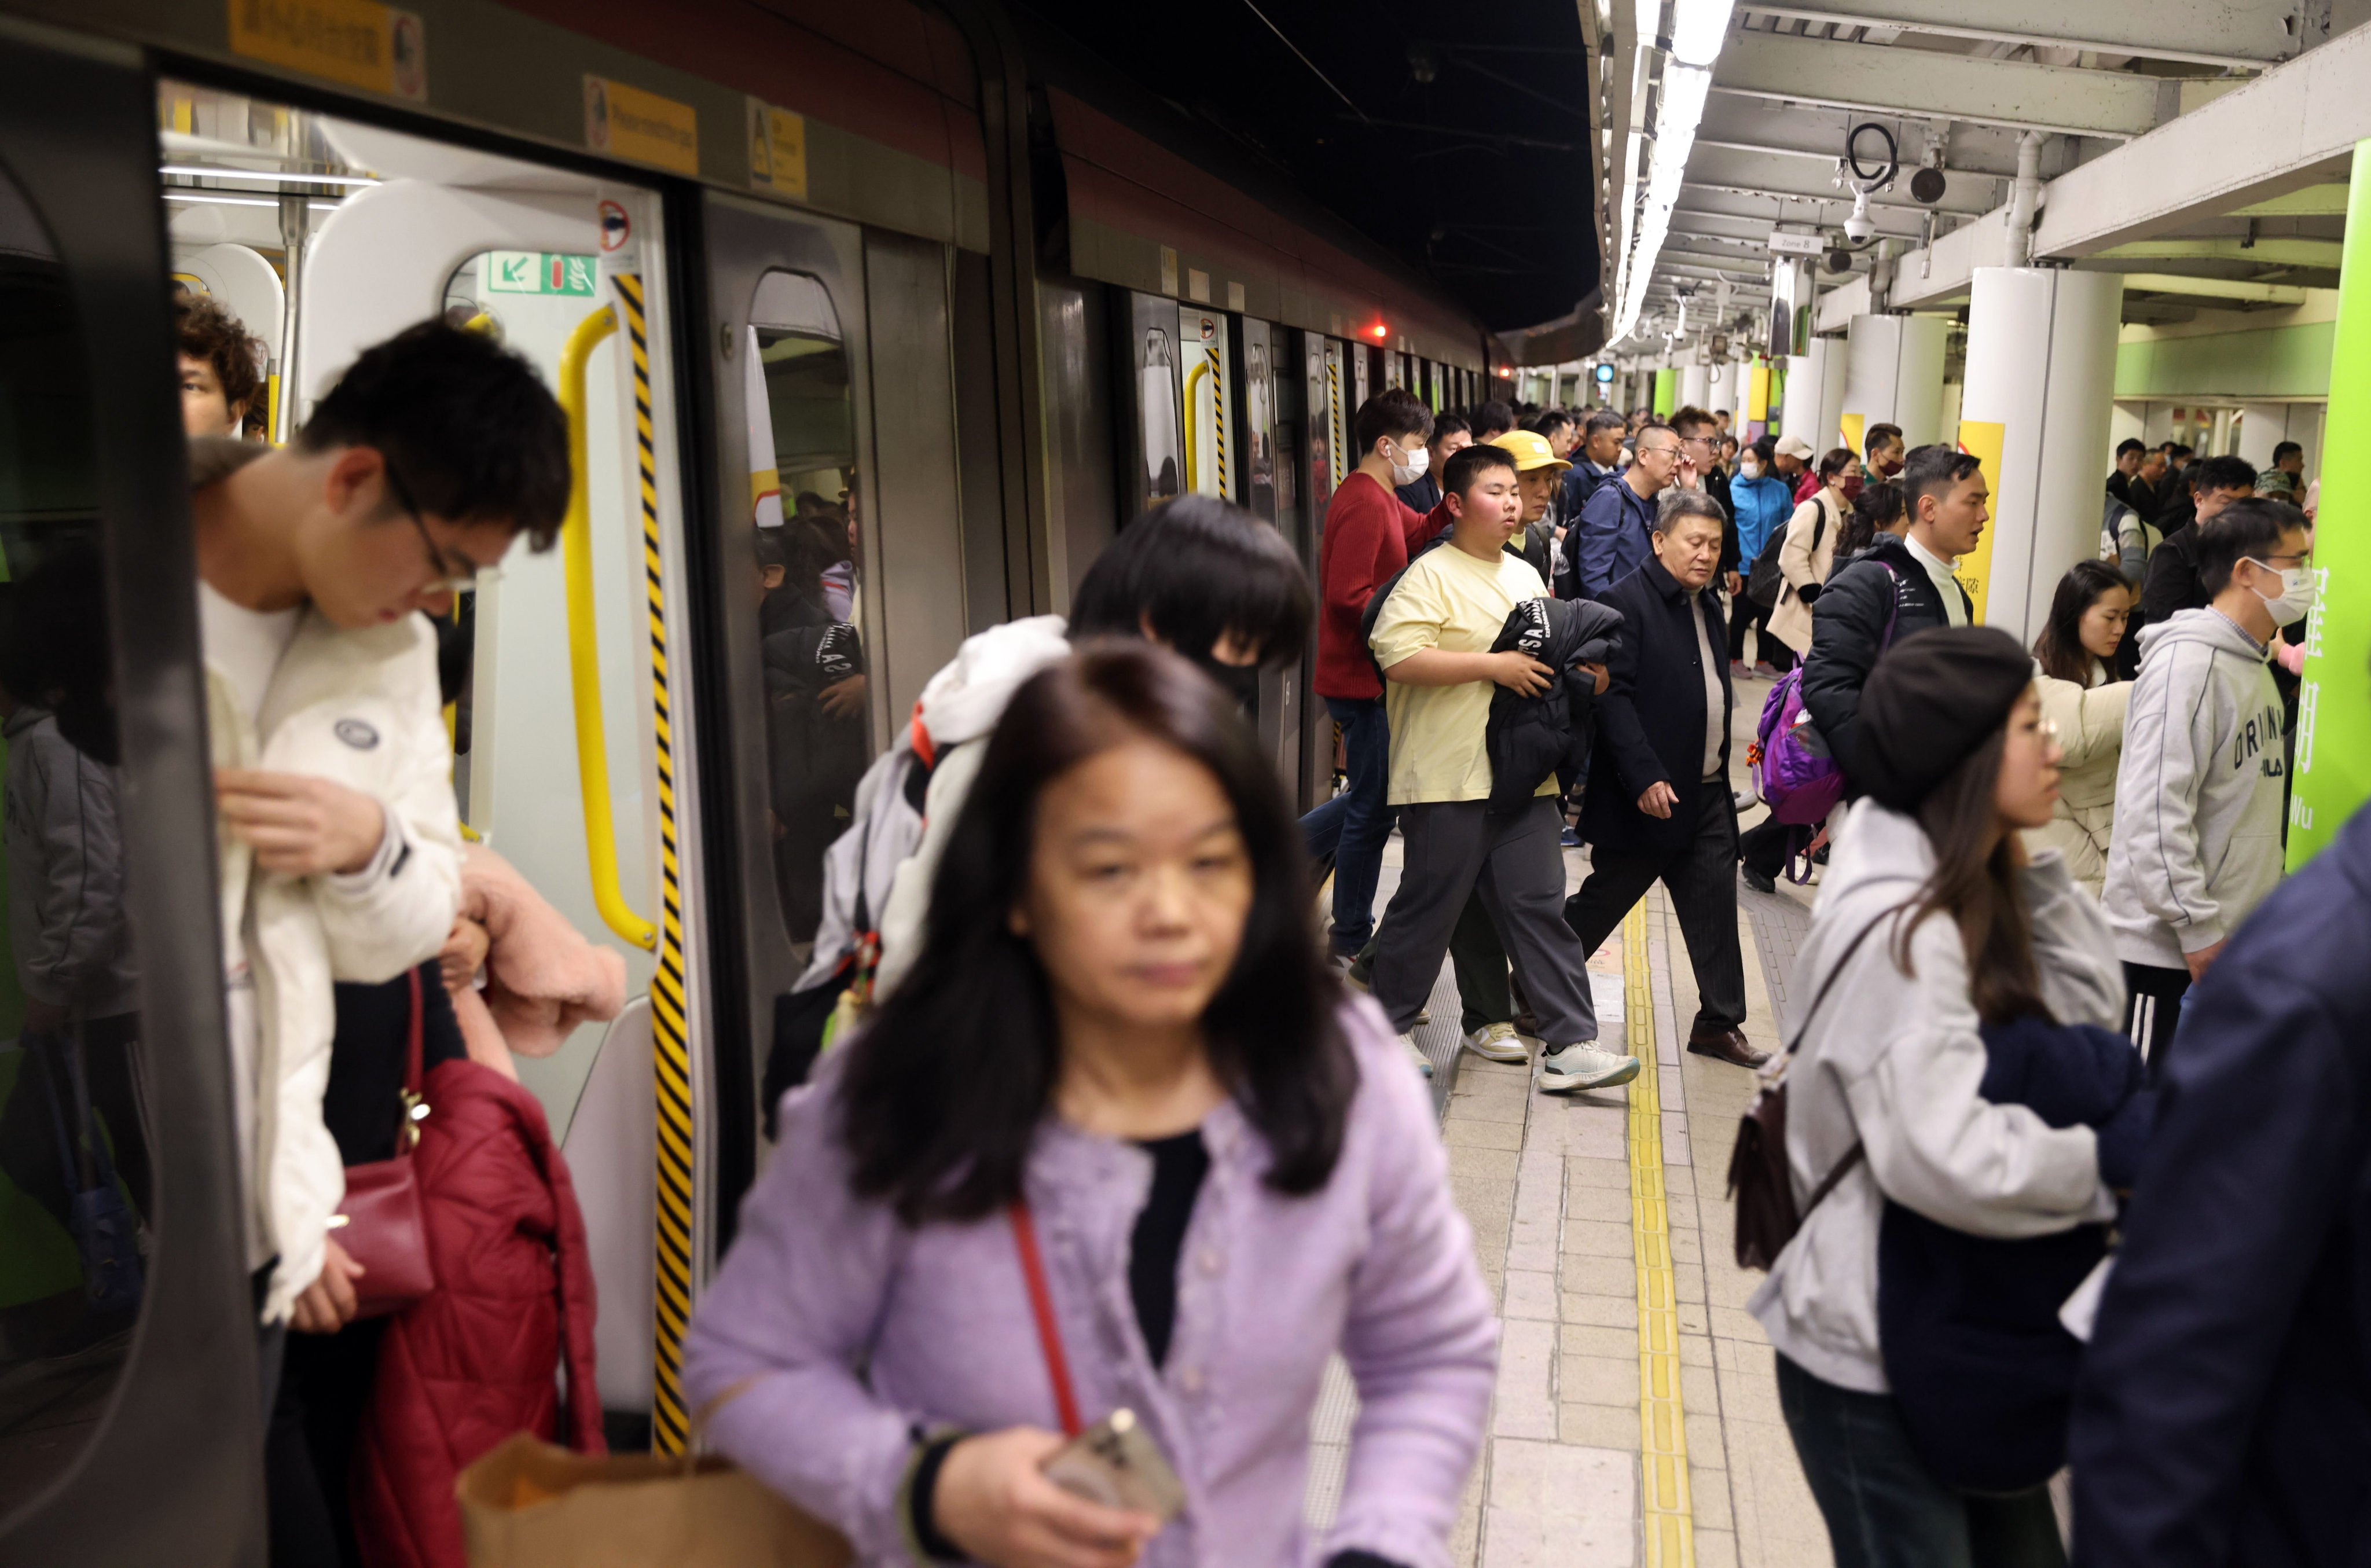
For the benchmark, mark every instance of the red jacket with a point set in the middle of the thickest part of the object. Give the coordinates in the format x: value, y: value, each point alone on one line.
x: 473, y: 1362
x: 1368, y: 532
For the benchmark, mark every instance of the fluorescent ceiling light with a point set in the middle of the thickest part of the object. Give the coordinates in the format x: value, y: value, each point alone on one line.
x: 270, y: 176
x: 1699, y: 29
x: 211, y: 200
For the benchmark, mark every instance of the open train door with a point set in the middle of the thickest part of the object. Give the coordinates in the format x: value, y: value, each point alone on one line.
x: 131, y: 1427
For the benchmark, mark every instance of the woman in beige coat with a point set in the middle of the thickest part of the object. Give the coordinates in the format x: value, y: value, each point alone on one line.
x: 1809, y: 548
x: 2076, y: 673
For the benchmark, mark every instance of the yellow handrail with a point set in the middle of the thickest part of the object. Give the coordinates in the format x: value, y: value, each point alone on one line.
x: 583, y: 648
x: 1190, y: 437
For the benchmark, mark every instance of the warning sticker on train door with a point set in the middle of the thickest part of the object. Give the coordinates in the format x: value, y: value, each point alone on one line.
x: 778, y: 150
x: 358, y: 43
x: 537, y: 272
x: 627, y: 122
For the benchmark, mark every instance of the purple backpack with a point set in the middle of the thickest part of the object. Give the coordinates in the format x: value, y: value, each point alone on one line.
x: 1794, y: 772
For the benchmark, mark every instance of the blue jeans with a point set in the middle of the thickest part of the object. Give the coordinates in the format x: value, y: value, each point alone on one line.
x: 1883, y: 1509
x: 1354, y: 825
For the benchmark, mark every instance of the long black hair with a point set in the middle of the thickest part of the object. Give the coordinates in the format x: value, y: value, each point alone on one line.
x: 1975, y: 882
x: 944, y: 1088
x: 2059, y: 649
x: 1197, y: 568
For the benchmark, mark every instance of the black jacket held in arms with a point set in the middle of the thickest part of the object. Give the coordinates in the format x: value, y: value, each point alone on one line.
x: 1651, y: 719
x: 1531, y: 737
x: 2224, y: 1409
x: 1848, y: 632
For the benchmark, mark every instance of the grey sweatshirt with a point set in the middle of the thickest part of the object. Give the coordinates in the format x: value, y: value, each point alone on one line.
x: 2197, y: 842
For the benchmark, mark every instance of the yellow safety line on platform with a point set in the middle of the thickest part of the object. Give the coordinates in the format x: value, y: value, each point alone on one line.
x: 1662, y: 1435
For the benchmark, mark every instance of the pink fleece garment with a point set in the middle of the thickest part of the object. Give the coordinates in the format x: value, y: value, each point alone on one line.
x: 542, y: 977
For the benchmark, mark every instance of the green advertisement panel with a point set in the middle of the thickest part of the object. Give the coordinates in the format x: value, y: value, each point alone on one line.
x: 2333, y: 725
x: 1667, y: 393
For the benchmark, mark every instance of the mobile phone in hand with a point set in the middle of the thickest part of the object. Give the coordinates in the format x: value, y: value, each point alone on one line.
x: 1115, y: 1463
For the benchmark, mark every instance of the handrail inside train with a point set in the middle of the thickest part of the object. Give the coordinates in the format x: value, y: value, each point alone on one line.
x: 583, y: 648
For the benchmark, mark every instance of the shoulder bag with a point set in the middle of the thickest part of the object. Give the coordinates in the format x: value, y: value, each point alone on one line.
x: 1760, y: 1183
x: 380, y: 1224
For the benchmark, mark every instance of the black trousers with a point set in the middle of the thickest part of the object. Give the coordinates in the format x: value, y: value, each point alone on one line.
x: 2153, y: 1012
x: 1763, y: 847
x: 1745, y: 610
x: 309, y: 1449
x: 1701, y: 879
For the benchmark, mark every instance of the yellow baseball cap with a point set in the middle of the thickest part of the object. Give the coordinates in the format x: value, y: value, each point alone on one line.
x: 1530, y: 450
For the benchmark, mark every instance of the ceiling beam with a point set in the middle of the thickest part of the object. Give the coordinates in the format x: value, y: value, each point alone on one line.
x: 2313, y: 202
x: 2217, y: 288
x: 2212, y: 33
x: 1976, y: 151
x: 1925, y: 83
x: 1788, y: 174
x: 2325, y: 253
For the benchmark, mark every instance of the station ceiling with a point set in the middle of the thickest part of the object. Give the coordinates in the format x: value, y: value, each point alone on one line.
x: 1454, y: 137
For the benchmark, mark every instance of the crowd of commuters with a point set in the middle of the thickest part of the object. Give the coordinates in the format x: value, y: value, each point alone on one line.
x: 1098, y: 1085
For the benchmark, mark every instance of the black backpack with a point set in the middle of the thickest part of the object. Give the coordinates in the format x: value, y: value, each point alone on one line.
x: 1766, y: 581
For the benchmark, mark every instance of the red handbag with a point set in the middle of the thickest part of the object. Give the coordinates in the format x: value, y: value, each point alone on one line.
x: 380, y: 1225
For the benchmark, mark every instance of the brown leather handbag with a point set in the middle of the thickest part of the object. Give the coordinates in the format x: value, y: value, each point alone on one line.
x: 381, y: 1224
x: 1759, y: 1184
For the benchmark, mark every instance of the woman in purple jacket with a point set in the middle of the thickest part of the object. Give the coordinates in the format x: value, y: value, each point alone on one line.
x: 1118, y: 1037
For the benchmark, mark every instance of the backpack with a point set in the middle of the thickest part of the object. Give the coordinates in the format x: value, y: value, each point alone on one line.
x: 1794, y: 771
x: 1767, y: 582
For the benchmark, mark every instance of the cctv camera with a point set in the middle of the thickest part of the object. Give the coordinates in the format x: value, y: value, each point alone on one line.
x: 1860, y: 228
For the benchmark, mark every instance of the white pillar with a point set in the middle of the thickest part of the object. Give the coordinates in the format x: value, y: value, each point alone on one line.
x: 1804, y: 412
x: 1894, y: 375
x: 1696, y: 381
x: 2042, y: 381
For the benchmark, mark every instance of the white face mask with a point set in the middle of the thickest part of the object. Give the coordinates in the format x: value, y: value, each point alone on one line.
x: 1748, y: 468
x: 2300, y: 586
x: 1407, y: 473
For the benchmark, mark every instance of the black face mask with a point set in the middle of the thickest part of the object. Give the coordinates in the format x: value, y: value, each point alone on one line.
x: 1240, y: 682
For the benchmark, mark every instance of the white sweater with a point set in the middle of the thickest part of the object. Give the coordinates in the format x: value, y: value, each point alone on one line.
x: 1892, y: 1061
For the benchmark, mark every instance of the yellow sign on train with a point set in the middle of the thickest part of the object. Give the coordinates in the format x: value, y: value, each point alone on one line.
x: 778, y: 150
x: 628, y: 122
x: 1981, y: 439
x: 356, y: 43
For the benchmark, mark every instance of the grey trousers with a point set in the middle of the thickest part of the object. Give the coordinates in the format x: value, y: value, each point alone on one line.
x: 1512, y: 859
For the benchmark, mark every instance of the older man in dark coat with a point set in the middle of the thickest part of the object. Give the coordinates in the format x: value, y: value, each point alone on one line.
x: 1659, y: 805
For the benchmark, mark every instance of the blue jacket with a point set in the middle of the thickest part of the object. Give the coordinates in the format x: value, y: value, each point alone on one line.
x: 2224, y: 1411
x: 1761, y: 507
x: 1616, y: 536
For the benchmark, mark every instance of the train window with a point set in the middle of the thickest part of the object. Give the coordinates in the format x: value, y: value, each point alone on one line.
x: 805, y: 508
x: 75, y: 1204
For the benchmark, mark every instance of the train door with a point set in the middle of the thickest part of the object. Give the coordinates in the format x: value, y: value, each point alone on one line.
x: 1152, y: 365
x: 129, y: 1418
x: 1361, y: 371
x: 1205, y: 398
x: 575, y: 737
x: 1253, y: 415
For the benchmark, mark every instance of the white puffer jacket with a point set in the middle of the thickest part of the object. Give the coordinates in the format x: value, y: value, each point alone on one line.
x: 1893, y: 1062
x: 2090, y: 722
x: 360, y: 708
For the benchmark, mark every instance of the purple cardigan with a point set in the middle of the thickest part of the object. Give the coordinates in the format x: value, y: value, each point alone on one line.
x: 1379, y: 1264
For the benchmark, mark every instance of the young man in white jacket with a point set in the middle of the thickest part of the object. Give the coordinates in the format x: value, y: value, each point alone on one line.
x: 337, y: 834
x: 2197, y: 839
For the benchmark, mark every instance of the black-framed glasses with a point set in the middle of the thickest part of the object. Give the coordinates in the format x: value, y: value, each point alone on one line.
x: 446, y: 579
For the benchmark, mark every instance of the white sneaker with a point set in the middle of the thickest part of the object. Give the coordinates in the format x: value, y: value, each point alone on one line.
x: 1585, y: 1066
x: 1424, y: 1063
x: 1500, y: 1043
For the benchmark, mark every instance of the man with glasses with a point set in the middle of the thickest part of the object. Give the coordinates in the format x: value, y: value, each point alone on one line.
x: 2197, y: 839
x: 1701, y: 469
x: 338, y: 841
x: 1617, y: 523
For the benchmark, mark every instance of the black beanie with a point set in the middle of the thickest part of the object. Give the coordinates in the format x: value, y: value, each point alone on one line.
x: 1931, y: 701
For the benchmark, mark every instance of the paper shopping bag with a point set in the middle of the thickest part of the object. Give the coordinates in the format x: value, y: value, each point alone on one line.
x: 530, y: 1505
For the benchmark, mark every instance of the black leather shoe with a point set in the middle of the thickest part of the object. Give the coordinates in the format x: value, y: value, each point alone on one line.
x: 1760, y: 881
x: 1727, y: 1045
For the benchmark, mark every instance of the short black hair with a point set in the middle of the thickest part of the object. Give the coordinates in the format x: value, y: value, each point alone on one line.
x: 1696, y: 419
x: 1393, y: 414
x: 1449, y: 424
x: 1553, y: 420
x: 2226, y: 472
x: 2129, y: 444
x: 1466, y: 465
x: 1678, y: 501
x: 1765, y: 450
x: 1836, y: 460
x: 1602, y: 420
x: 467, y: 427
x: 2252, y: 527
x: 1933, y: 469
x: 2286, y: 449
x: 1197, y: 568
x: 2177, y: 449
x: 1881, y: 436
x: 1492, y: 418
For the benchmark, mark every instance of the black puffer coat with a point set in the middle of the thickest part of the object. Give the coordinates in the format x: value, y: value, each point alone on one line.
x: 1849, y: 631
x: 1531, y: 737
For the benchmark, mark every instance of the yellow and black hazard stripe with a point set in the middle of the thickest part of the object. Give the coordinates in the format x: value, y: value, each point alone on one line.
x: 670, y: 1044
x: 1333, y: 415
x: 1219, y: 417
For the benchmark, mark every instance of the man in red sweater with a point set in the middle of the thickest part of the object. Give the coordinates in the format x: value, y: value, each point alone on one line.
x: 1369, y: 534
